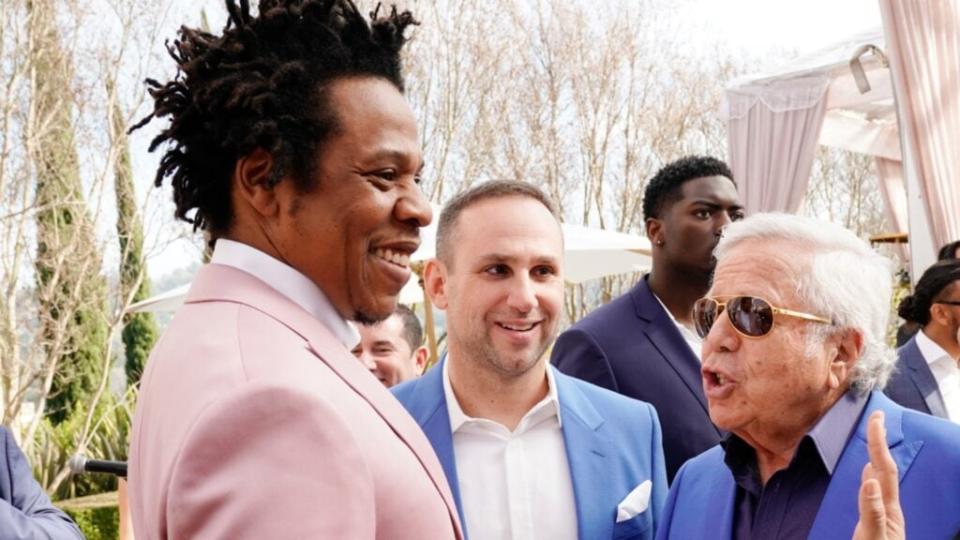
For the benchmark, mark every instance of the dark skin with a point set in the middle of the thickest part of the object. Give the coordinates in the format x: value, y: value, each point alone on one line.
x: 683, y: 238
x: 945, y: 320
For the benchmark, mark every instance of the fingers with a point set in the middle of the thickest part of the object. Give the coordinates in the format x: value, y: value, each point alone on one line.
x: 883, y: 468
x: 873, y: 515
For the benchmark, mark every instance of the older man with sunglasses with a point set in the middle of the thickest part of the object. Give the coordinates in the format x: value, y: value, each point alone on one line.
x: 794, y: 356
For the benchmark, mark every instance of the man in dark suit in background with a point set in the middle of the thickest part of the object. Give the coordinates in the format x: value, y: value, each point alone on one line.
x: 927, y: 378
x: 642, y: 344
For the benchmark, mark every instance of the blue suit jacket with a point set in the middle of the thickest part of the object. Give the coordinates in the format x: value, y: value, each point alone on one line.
x: 25, y: 510
x: 632, y: 346
x: 613, y: 444
x: 913, y: 385
x: 927, y: 453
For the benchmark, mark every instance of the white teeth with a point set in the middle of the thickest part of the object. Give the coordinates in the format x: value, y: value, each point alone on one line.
x: 518, y: 328
x: 400, y: 259
x: 721, y: 379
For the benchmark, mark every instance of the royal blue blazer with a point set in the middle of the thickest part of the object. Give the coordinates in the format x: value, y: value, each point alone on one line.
x: 613, y: 444
x: 926, y: 450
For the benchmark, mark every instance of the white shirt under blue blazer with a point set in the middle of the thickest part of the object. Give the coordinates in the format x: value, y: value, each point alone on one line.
x: 926, y: 450
x: 613, y: 445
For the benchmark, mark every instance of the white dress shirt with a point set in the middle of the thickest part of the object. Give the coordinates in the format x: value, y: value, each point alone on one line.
x: 945, y: 371
x: 288, y: 282
x: 693, y: 340
x: 513, y: 485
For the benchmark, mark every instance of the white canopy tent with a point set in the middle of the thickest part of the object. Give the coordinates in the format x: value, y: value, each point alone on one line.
x: 845, y: 96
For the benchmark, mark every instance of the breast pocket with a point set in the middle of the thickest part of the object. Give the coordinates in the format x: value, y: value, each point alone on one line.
x: 633, y: 528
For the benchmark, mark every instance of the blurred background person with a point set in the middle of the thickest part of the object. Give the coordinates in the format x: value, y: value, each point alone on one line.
x: 393, y: 349
x: 927, y: 378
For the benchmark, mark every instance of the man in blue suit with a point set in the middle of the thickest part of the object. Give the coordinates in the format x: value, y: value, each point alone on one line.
x: 927, y: 378
x: 794, y: 356
x: 642, y: 345
x: 25, y: 510
x: 530, y: 453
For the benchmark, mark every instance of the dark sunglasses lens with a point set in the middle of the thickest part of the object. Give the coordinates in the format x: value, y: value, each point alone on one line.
x: 752, y: 316
x: 704, y: 314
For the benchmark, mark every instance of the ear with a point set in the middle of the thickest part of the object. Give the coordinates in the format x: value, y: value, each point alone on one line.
x: 849, y: 347
x: 251, y: 176
x: 654, y: 231
x: 420, y: 359
x: 435, y: 282
x: 940, y: 315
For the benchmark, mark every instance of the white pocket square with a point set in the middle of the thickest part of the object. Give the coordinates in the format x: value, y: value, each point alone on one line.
x: 634, y: 503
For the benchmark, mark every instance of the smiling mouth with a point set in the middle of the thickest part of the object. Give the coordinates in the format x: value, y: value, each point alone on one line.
x: 396, y: 258
x: 518, y: 327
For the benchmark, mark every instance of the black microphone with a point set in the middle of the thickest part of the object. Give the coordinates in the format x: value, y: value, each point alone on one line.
x: 80, y: 464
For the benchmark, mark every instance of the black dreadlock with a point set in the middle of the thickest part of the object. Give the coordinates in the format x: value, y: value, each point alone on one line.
x: 261, y: 85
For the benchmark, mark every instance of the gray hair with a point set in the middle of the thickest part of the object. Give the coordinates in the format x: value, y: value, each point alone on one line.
x: 843, y: 279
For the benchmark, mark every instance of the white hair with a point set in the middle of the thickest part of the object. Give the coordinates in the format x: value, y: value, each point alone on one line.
x: 839, y: 276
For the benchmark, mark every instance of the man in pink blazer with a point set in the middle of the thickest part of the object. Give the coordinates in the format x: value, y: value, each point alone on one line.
x: 291, y: 145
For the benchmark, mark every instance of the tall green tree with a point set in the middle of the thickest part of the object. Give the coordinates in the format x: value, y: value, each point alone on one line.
x: 139, y: 329
x: 71, y: 290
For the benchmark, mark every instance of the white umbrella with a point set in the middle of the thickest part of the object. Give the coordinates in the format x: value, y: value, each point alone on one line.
x: 588, y: 254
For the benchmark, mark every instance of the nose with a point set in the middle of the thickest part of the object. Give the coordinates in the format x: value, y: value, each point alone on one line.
x: 413, y: 207
x: 721, y: 338
x: 367, y: 360
x: 523, y: 294
x: 720, y: 222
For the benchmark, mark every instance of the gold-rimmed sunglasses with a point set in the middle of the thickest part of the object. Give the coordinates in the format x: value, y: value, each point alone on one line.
x: 750, y: 315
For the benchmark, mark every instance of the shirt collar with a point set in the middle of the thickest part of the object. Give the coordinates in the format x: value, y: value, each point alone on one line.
x: 547, y: 407
x: 931, y: 351
x: 288, y: 282
x: 829, y: 437
x: 687, y: 334
x: 831, y: 432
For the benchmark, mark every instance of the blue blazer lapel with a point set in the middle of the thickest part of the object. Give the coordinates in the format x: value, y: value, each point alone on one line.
x: 664, y: 335
x: 923, y: 379
x: 428, y: 406
x: 838, y: 512
x: 585, y: 443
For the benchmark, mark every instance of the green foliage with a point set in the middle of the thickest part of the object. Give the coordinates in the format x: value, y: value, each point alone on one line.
x: 140, y: 330
x: 71, y: 291
x: 98, y: 523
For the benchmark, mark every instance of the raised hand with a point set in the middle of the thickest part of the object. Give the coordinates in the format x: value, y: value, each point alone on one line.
x: 879, y: 501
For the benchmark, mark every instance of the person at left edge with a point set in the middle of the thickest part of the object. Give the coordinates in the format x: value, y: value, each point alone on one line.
x: 294, y: 148
x: 530, y: 453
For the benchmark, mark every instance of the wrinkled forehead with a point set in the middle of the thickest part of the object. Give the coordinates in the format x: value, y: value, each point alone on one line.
x: 770, y: 269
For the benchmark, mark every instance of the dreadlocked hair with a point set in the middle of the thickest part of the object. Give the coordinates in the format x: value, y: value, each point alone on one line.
x: 262, y: 84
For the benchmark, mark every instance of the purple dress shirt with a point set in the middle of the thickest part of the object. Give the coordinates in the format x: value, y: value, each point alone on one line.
x: 787, y: 505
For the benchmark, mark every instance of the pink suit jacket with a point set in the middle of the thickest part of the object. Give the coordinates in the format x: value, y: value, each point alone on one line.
x: 253, y: 421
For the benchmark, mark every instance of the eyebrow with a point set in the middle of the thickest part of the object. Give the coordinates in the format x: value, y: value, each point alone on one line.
x: 382, y: 343
x: 500, y: 258
x: 395, y: 155
x: 713, y: 204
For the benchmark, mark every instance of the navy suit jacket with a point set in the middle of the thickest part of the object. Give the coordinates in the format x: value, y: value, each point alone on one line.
x: 25, y: 510
x: 633, y: 347
x: 613, y: 445
x: 913, y: 385
x: 927, y: 453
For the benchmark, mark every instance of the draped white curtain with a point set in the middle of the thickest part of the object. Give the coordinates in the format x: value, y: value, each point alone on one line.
x: 923, y: 42
x: 772, y: 131
x: 894, y: 194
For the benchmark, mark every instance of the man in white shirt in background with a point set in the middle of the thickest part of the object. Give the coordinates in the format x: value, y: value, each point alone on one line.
x: 393, y: 348
x: 927, y: 377
x: 530, y: 453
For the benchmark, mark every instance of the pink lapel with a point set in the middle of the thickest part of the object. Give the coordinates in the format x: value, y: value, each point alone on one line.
x: 216, y: 282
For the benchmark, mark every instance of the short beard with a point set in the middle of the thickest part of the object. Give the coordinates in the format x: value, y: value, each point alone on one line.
x: 366, y: 319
